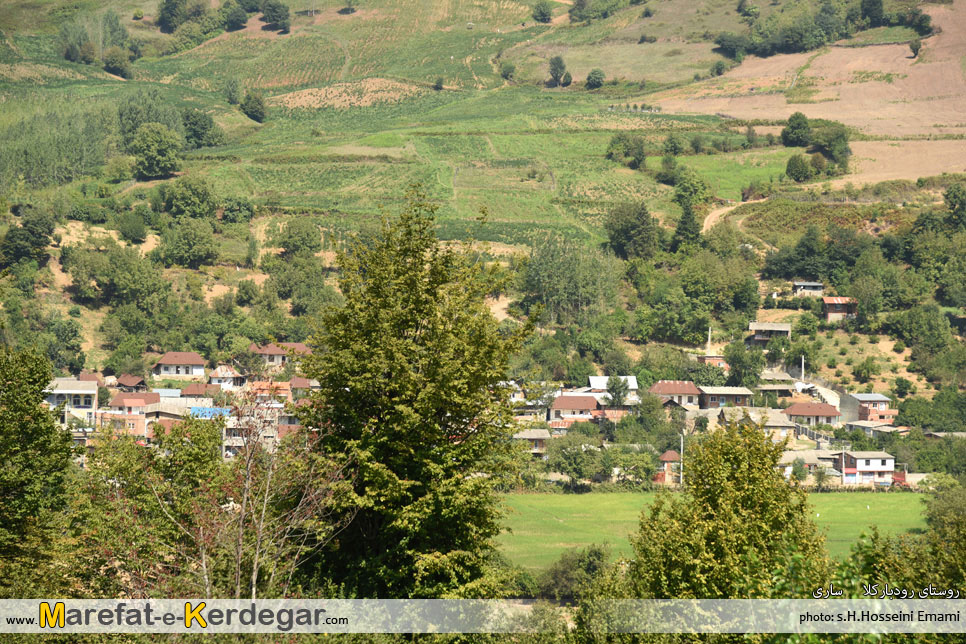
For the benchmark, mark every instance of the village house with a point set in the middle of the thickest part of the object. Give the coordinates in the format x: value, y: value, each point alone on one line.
x: 200, y: 390
x: 670, y: 469
x: 683, y: 392
x: 277, y: 355
x: 763, y: 332
x: 876, y: 428
x: 127, y: 411
x: 131, y: 383
x: 302, y: 387
x: 78, y: 397
x: 778, y: 382
x: 812, y: 413
x: 724, y: 396
x: 774, y: 423
x: 536, y: 440
x: 226, y: 377
x: 865, y: 468
x: 807, y: 289
x: 569, y: 409
x: 867, y: 406
x: 716, y: 361
x: 180, y: 365
x: 838, y: 308
x: 812, y: 459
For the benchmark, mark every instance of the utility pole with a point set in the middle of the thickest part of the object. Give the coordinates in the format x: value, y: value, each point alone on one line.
x: 681, y: 468
x: 803, y: 366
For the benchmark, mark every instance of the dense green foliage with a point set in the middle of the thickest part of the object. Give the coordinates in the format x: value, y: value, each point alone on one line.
x: 417, y: 426
x: 35, y: 454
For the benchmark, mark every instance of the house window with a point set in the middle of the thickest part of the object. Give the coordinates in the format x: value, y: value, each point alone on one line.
x: 690, y: 399
x: 883, y: 462
x: 868, y: 462
x: 714, y: 399
x: 177, y: 371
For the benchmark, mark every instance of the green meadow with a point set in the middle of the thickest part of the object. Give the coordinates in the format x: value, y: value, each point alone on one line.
x: 542, y: 526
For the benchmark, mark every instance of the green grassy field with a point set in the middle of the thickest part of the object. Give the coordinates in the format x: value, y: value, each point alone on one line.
x: 542, y: 526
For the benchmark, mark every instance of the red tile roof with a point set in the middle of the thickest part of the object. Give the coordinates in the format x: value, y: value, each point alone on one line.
x: 674, y: 388
x: 300, y: 383
x: 280, y: 349
x: 199, y: 389
x: 87, y: 376
x: 135, y: 399
x: 181, y: 357
x: 670, y: 456
x: 811, y: 409
x: 575, y: 402
x: 838, y: 300
x: 127, y: 380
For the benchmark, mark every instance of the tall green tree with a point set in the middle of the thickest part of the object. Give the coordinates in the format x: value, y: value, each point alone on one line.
x: 557, y: 69
x: 738, y: 531
x: 798, y: 133
x: 155, y: 149
x: 617, y: 391
x: 687, y: 234
x: 409, y: 371
x: 35, y: 454
x: 632, y: 231
x: 746, y: 364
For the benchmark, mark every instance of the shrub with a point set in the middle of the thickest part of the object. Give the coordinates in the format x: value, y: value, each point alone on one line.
x: 507, y: 69
x: 567, y: 79
x: 543, y: 11
x: 719, y: 68
x: 595, y: 79
x: 238, y: 210
x: 438, y: 85
x: 798, y: 168
x: 253, y: 106
x: 138, y: 14
x: 899, y: 346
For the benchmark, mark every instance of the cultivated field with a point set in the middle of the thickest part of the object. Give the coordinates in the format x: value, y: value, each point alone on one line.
x: 542, y: 526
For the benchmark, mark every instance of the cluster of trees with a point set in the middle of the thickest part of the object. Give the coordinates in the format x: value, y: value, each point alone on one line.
x: 828, y: 139
x: 587, y: 10
x: 804, y: 26
x: 559, y: 76
x: 91, y: 39
x: 73, y: 141
x: 193, y: 21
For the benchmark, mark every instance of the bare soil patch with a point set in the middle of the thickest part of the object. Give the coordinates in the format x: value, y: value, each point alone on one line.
x: 879, y: 89
x: 364, y: 93
x: 499, y: 307
x: 875, y: 161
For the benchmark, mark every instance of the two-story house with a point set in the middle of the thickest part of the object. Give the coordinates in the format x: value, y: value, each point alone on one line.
x: 78, y: 397
x: 867, y: 406
x: 865, y: 468
x: 763, y: 332
x: 127, y: 413
x: 536, y: 440
x: 724, y: 396
x: 568, y: 409
x: 180, y: 365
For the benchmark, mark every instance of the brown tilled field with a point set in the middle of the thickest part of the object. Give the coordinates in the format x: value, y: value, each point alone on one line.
x: 880, y: 90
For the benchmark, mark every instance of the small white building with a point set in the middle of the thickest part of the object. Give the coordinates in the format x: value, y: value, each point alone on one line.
x: 182, y: 365
x: 226, y: 377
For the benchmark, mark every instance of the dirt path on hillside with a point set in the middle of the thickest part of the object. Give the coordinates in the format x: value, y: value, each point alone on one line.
x: 715, y: 216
